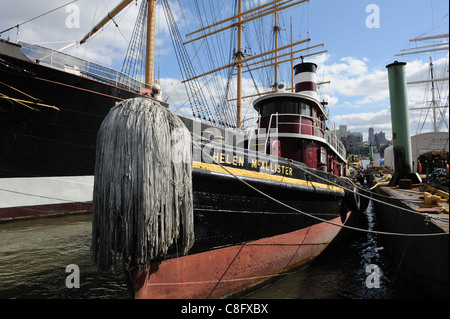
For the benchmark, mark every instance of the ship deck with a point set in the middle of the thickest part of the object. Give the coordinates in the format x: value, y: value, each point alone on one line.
x: 414, y: 199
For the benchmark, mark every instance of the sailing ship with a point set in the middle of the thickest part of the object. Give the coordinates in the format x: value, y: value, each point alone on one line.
x: 52, y: 111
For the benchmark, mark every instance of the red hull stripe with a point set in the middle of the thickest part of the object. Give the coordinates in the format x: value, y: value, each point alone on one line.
x: 222, y: 272
x: 306, y: 86
x: 11, y: 213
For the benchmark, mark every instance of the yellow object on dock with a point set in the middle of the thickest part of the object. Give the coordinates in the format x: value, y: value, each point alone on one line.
x: 437, y: 192
x: 430, y: 198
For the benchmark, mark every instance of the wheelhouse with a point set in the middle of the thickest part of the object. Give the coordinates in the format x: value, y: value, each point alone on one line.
x: 293, y: 126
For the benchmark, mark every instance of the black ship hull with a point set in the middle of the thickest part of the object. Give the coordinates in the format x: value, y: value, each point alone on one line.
x: 45, y: 141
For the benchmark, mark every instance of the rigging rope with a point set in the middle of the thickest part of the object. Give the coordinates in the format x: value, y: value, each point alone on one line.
x: 41, y: 15
x: 22, y: 102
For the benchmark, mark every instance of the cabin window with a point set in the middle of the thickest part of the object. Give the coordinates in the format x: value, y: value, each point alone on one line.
x: 305, y: 109
x: 289, y: 107
x: 268, y: 109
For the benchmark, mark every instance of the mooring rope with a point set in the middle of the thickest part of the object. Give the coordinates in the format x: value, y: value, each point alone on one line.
x: 366, y: 196
x: 310, y: 215
x: 376, y: 199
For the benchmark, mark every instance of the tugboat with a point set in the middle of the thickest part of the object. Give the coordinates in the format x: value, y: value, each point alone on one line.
x: 257, y: 203
x: 257, y: 214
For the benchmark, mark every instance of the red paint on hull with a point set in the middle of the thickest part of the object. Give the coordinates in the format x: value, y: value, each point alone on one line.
x: 11, y: 213
x: 225, y: 271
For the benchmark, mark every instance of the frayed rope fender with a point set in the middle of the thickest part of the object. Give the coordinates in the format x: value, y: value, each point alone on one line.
x: 143, y: 198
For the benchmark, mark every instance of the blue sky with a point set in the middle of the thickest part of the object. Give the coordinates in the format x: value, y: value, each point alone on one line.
x: 354, y: 63
x: 342, y: 25
x: 365, y: 102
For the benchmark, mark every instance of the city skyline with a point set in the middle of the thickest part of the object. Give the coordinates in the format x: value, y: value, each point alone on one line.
x: 372, y: 137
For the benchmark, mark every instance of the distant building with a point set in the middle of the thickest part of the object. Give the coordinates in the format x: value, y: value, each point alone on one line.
x: 371, y: 137
x: 342, y: 131
x: 380, y: 138
x: 352, y: 141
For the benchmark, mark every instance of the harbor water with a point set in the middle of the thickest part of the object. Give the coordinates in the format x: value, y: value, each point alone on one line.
x: 356, y: 267
x: 39, y: 259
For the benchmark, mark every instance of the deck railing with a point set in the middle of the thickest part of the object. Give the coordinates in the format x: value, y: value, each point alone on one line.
x: 78, y: 66
x: 297, y: 125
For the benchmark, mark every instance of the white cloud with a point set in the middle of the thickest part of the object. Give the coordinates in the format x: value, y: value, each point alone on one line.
x: 351, y: 77
x: 358, y: 95
x: 361, y: 122
x: 108, y: 46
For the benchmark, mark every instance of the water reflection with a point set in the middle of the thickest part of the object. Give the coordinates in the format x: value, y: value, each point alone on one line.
x: 34, y: 255
x: 342, y: 271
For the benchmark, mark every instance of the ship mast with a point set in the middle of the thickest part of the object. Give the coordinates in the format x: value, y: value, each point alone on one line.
x: 433, y: 99
x: 425, y: 49
x: 239, y: 60
x: 434, y: 105
x: 239, y: 57
x: 109, y: 16
x: 150, y: 50
x: 275, y: 30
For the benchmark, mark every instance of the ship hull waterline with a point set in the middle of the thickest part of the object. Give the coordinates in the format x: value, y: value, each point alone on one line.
x: 229, y: 271
x: 242, y: 242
